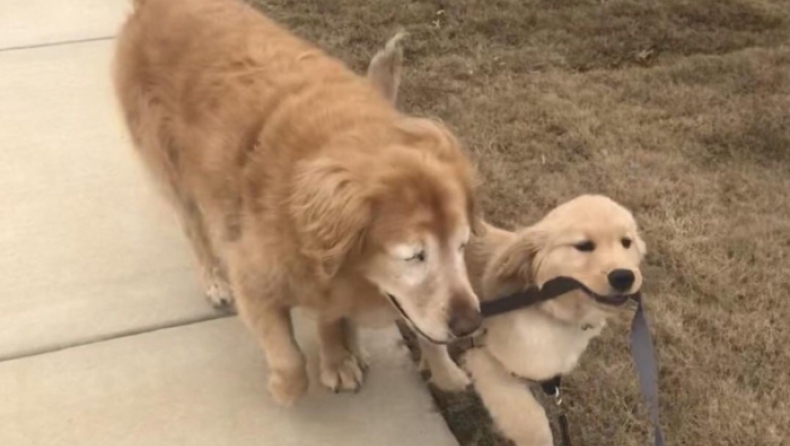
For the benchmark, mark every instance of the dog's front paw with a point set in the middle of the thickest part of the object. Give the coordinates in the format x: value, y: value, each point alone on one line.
x: 288, y: 387
x: 345, y: 374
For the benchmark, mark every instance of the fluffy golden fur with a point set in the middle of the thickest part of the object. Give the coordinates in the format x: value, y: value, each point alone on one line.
x: 298, y: 183
x: 591, y: 239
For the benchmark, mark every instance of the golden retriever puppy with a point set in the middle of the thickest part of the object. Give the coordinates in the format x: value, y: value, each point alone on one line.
x: 591, y: 239
x: 298, y: 184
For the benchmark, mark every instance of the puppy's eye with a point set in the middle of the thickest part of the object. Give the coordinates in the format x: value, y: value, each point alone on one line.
x: 587, y: 246
x: 626, y: 242
x: 419, y: 257
x: 462, y: 247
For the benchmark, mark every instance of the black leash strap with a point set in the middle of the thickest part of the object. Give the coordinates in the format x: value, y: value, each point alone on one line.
x: 531, y: 296
x: 641, y: 342
x: 564, y: 431
x: 552, y: 388
x: 646, y: 366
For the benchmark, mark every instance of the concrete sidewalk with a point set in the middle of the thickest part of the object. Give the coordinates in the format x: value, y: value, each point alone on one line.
x: 105, y: 337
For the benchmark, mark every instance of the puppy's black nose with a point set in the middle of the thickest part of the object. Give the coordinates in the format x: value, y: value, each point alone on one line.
x: 621, y: 279
x: 464, y: 320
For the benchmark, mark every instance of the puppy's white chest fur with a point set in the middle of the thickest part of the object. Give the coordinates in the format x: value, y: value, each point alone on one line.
x: 534, y: 345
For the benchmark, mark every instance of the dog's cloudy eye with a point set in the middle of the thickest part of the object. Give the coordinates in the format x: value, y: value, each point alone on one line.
x: 587, y: 246
x: 626, y: 243
x: 419, y: 257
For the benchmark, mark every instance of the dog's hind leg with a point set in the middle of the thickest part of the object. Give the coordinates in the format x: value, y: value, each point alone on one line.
x: 161, y: 158
x: 515, y: 411
x: 212, y: 272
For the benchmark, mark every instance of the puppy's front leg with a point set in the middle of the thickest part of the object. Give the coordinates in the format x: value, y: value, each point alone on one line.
x: 515, y: 411
x: 445, y: 374
x: 342, y: 367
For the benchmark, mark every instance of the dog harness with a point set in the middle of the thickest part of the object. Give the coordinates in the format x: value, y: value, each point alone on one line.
x: 642, y: 349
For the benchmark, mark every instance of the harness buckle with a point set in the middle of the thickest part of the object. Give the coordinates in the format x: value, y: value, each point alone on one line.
x: 557, y: 396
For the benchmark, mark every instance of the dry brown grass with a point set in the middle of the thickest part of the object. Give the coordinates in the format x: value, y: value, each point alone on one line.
x: 680, y: 109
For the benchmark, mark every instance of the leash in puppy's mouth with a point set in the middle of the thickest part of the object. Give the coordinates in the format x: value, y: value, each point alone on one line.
x: 550, y: 290
x: 642, y: 349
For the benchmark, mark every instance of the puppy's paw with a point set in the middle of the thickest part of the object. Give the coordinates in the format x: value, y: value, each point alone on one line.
x: 450, y: 378
x: 541, y: 436
x: 346, y: 374
x: 288, y: 387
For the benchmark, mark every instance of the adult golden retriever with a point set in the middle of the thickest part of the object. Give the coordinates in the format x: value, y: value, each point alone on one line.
x: 591, y: 239
x: 298, y: 184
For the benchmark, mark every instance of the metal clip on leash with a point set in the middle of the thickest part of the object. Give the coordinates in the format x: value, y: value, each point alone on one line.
x: 562, y: 418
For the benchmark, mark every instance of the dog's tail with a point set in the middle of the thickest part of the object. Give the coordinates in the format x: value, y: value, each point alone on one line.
x: 385, y: 67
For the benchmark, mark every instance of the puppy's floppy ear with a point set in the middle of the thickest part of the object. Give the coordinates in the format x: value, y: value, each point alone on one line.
x: 331, y: 212
x: 641, y: 247
x: 511, y: 269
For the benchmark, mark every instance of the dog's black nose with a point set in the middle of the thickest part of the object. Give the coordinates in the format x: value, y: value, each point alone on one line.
x: 621, y: 279
x: 464, y: 320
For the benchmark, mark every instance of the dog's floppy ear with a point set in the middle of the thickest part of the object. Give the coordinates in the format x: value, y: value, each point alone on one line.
x: 511, y: 269
x: 641, y: 247
x: 639, y: 242
x: 385, y: 68
x: 331, y: 212
x: 432, y: 135
x: 474, y: 214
